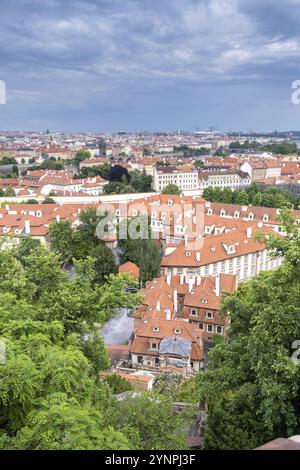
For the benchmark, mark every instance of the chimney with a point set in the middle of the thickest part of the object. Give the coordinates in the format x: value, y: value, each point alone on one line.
x: 168, y: 314
x: 249, y: 232
x: 198, y: 279
x: 57, y: 218
x: 169, y: 279
x: 191, y: 283
x: 27, y: 227
x: 198, y: 256
x: 181, y: 279
x: 175, y: 301
x: 218, y: 285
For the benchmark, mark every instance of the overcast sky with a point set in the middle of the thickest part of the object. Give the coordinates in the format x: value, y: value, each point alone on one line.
x: 111, y: 65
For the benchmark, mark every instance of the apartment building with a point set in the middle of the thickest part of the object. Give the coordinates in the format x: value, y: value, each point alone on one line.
x: 261, y: 215
x: 185, y: 177
x: 236, y: 252
x: 261, y: 170
x: 224, y: 179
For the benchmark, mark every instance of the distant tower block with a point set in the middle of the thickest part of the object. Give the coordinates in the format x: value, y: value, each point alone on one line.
x: 102, y: 148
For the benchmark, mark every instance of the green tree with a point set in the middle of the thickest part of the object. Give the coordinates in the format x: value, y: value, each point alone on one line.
x: 32, y: 201
x: 82, y: 155
x: 26, y: 246
x: 118, y: 384
x: 61, y: 423
x: 241, y: 197
x: 252, y: 383
x: 141, y: 182
x: 171, y: 189
x: 48, y: 200
x: 87, y: 229
x: 61, y: 238
x: 9, y: 192
x: 43, y: 270
x: 104, y: 262
x: 154, y: 421
x: 142, y: 251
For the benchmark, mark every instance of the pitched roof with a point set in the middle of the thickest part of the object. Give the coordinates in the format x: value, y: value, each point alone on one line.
x: 131, y: 269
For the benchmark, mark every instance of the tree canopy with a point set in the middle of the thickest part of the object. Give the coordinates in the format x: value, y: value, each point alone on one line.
x: 54, y: 351
x: 171, y: 189
x: 252, y: 382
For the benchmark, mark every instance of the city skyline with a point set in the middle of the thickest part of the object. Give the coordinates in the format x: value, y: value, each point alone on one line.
x: 155, y: 66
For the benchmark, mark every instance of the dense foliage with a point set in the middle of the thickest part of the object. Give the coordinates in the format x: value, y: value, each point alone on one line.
x: 171, y: 189
x: 81, y: 242
x: 50, y: 397
x: 282, y: 148
x: 142, y: 250
x: 252, y: 384
x: 270, y: 197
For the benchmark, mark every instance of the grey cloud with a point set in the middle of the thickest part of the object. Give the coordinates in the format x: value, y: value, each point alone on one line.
x: 109, y: 52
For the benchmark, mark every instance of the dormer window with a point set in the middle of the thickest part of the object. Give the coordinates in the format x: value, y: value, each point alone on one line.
x: 236, y: 215
x: 212, y: 249
x: 204, y: 301
x: 265, y: 218
x: 223, y: 212
x: 251, y: 216
x: 170, y: 202
x: 209, y: 212
x: 177, y: 331
x: 155, y: 328
x: 194, y: 312
x: 188, y: 253
x: 134, y: 213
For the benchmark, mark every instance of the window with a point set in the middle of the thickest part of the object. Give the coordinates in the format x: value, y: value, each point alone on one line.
x: 219, y: 329
x: 194, y: 312
x: 209, y: 315
x: 201, y: 326
x: 177, y: 332
x: 153, y: 345
x: 157, y: 361
x: 192, y: 364
x: 140, y: 359
x: 155, y: 328
x: 210, y: 328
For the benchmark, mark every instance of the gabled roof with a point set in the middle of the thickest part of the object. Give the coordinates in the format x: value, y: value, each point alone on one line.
x: 131, y: 269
